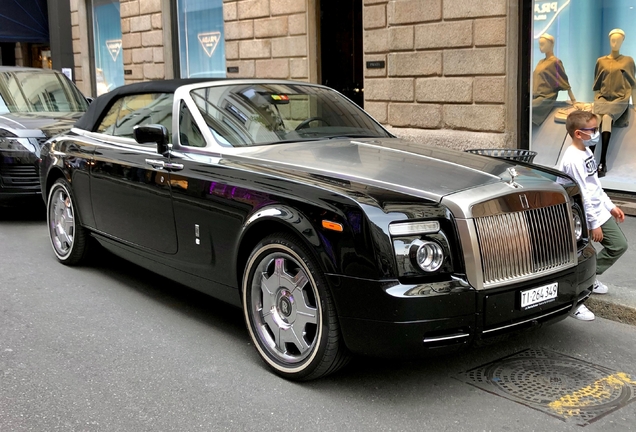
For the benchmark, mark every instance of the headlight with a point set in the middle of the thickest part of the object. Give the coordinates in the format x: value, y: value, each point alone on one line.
x: 427, y: 255
x: 425, y: 250
x: 578, y: 225
x: 411, y: 228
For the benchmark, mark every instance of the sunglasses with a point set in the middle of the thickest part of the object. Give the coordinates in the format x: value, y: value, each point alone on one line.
x: 592, y: 130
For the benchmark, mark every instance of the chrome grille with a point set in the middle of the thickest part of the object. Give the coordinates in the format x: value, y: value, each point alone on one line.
x: 519, y: 244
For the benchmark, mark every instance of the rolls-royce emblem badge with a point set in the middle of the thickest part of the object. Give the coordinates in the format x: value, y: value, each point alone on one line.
x: 524, y: 201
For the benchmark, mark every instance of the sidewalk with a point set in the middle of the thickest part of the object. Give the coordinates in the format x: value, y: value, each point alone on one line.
x: 619, y: 304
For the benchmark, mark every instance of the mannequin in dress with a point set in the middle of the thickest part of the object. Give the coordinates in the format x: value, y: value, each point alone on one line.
x: 548, y: 79
x: 614, y: 84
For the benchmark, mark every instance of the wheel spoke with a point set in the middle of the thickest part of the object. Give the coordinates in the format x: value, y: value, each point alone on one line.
x: 64, y: 236
x: 299, y: 281
x: 268, y: 319
x: 293, y: 336
x: 305, y: 315
x: 268, y: 288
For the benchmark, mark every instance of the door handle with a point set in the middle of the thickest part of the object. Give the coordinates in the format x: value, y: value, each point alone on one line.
x: 173, y: 166
x: 164, y: 165
x: 155, y: 163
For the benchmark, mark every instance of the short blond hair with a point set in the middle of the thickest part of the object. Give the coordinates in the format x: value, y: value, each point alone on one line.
x: 577, y: 120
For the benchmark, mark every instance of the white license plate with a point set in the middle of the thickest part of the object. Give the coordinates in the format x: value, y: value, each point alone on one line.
x: 540, y: 295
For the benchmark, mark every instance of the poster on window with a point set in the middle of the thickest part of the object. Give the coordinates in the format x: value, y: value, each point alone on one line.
x: 109, y: 63
x: 201, y: 41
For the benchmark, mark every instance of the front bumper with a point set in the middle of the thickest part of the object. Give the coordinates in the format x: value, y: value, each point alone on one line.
x: 385, y: 319
x: 18, y: 174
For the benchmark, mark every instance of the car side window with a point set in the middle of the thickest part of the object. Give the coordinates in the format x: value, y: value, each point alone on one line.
x: 189, y: 132
x: 134, y: 110
x: 107, y: 125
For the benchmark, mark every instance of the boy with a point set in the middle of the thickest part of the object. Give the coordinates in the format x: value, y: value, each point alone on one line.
x: 578, y: 162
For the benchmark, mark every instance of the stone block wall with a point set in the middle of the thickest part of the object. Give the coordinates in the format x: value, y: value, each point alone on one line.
x: 445, y: 69
x: 81, y: 57
x: 267, y: 38
x: 142, y: 40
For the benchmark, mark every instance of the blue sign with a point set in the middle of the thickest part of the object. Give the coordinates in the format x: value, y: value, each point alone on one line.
x: 109, y: 63
x: 201, y: 41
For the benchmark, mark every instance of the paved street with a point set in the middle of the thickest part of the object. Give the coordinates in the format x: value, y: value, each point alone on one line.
x: 112, y: 347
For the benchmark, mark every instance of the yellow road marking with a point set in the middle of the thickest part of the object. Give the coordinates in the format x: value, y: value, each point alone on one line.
x: 599, y: 391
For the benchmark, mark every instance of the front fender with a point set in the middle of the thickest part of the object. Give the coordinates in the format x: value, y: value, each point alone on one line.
x: 66, y: 159
x: 279, y: 217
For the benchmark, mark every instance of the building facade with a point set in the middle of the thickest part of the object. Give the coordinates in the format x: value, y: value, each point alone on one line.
x: 453, y: 73
x: 433, y: 69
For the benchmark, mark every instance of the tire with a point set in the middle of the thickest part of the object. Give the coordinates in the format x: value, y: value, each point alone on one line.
x: 289, y: 311
x: 68, y: 237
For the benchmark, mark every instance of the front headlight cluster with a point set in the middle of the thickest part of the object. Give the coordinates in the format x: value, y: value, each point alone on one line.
x: 578, y: 225
x: 421, y: 248
x: 579, y: 222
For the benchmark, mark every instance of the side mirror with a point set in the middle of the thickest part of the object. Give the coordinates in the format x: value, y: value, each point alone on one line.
x: 153, y: 134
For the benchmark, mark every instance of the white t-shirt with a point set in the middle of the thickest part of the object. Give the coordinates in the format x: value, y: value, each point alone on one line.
x: 581, y: 166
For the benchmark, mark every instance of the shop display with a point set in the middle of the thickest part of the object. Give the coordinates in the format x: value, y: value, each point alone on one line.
x: 549, y: 78
x: 614, y: 84
x: 594, y: 42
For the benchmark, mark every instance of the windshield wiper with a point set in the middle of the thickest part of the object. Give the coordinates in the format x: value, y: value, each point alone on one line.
x: 287, y: 141
x: 352, y: 135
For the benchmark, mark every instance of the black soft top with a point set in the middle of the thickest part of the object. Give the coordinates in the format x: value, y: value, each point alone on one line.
x: 98, y: 108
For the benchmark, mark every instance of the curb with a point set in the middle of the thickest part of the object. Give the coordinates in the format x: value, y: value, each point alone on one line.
x: 610, y: 310
x: 628, y: 207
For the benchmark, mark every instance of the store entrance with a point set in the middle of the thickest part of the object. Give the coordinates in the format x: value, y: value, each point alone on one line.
x: 341, y: 56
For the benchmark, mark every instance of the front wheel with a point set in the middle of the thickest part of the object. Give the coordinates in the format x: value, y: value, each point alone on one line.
x: 289, y: 311
x: 68, y: 237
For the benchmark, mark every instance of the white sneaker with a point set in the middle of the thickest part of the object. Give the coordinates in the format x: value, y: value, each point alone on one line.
x: 599, y: 287
x: 583, y: 313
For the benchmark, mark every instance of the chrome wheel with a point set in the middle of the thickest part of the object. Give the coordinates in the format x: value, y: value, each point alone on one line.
x: 285, y: 308
x: 66, y: 233
x: 289, y: 310
x: 61, y: 222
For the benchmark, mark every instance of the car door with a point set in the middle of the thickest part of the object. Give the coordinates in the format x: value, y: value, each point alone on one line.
x: 211, y: 202
x: 130, y: 192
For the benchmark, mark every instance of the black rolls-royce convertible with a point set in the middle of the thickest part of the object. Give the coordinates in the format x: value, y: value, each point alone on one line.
x: 333, y: 236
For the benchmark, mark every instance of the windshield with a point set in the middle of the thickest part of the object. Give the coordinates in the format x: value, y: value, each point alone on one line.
x: 258, y: 114
x: 34, y: 91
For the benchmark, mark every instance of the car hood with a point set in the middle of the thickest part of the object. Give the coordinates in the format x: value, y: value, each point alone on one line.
x: 387, y: 164
x: 33, y: 125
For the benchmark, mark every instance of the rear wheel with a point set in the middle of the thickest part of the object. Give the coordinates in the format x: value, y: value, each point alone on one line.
x: 289, y: 311
x: 68, y: 237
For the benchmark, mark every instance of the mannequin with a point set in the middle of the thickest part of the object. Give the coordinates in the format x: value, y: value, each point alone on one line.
x: 549, y: 78
x: 614, y: 84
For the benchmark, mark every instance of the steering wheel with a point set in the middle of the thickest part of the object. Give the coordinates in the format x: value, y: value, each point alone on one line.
x: 305, y: 123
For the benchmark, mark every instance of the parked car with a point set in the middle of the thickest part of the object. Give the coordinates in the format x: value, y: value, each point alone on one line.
x: 35, y: 104
x: 333, y: 236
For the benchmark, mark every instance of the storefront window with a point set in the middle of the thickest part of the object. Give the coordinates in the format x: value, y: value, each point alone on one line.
x: 582, y: 58
x: 109, y: 63
x: 201, y: 41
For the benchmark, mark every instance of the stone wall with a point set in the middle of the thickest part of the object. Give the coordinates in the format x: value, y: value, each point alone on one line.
x: 267, y: 38
x: 142, y: 39
x: 445, y: 69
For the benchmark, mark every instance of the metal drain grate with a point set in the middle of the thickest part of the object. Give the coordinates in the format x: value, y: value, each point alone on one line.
x: 564, y: 387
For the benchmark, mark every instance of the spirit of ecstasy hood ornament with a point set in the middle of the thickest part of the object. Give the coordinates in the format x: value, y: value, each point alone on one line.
x: 513, y: 175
